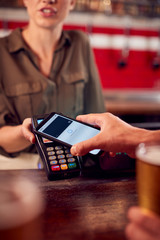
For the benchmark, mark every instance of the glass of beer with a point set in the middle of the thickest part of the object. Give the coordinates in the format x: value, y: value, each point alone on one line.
x: 21, y: 208
x: 148, y: 177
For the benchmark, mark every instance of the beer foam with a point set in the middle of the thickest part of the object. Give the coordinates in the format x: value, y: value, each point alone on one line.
x: 149, y: 154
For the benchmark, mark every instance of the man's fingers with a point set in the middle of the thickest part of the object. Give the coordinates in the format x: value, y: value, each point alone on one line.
x: 134, y: 232
x: 84, y: 147
x: 145, y: 220
x: 93, y: 119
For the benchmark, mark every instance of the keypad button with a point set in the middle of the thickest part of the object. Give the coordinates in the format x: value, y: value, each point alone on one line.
x: 71, y: 159
x: 62, y: 161
x: 58, y: 147
x: 72, y: 165
x: 60, y: 152
x: 67, y: 151
x: 69, y: 155
x: 51, y: 153
x: 55, y: 168
x: 50, y: 149
x: 52, y: 157
x: 64, y: 166
x: 53, y: 162
x: 61, y: 156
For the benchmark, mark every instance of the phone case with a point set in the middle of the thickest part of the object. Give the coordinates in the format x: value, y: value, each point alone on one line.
x: 58, y: 162
x: 47, y: 119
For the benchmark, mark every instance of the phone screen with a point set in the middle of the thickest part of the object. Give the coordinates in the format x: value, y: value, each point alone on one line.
x: 68, y: 130
x: 45, y: 140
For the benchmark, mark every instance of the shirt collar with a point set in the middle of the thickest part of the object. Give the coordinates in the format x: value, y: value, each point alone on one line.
x: 16, y: 42
x: 64, y: 40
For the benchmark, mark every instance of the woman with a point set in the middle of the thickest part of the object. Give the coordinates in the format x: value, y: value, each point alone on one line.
x: 44, y: 69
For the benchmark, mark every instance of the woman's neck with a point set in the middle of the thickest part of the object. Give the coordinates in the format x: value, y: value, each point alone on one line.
x: 43, y: 43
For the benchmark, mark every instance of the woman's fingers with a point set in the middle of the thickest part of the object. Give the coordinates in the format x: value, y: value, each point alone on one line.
x: 26, y: 130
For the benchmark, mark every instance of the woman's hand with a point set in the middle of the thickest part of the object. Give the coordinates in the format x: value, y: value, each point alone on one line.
x: 16, y: 138
x: 27, y: 132
x: 142, y: 226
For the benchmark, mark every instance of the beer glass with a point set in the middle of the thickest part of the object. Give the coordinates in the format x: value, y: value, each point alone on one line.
x: 148, y: 177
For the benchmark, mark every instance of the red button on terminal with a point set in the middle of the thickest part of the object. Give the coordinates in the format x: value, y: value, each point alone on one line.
x: 55, y: 168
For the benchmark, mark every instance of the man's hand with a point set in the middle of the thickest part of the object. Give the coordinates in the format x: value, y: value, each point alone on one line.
x: 142, y: 226
x: 115, y: 136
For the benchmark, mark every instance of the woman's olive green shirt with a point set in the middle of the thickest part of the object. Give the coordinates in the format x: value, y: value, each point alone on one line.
x: 72, y: 88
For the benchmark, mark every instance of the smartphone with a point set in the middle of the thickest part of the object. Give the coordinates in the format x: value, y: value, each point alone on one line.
x: 67, y: 131
x: 57, y: 160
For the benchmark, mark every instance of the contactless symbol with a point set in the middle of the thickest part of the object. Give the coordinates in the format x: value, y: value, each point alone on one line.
x: 70, y: 131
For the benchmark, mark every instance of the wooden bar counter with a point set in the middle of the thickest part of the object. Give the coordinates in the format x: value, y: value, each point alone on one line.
x: 86, y: 207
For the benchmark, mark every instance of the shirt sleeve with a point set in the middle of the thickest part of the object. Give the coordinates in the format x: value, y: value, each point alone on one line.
x: 6, y: 116
x: 94, y: 101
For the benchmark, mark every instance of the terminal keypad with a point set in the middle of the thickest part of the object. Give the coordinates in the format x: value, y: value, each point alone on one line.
x: 60, y: 158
